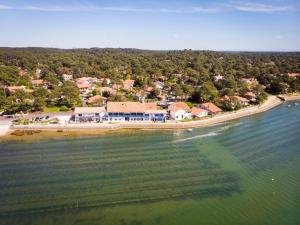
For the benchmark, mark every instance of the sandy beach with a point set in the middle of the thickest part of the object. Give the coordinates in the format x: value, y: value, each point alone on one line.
x: 91, y: 129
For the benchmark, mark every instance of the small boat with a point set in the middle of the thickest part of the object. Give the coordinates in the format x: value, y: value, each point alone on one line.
x: 190, y: 130
x: 289, y: 106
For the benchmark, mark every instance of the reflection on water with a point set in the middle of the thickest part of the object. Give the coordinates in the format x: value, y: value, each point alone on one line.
x: 241, y: 172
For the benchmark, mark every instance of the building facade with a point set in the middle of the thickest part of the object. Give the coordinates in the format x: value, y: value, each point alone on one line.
x: 89, y: 114
x: 134, y: 112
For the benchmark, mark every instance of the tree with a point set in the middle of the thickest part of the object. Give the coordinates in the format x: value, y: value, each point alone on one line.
x: 206, y: 93
x: 70, y: 95
x: 38, y: 104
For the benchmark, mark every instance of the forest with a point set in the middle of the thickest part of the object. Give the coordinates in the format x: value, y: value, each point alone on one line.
x: 187, y: 73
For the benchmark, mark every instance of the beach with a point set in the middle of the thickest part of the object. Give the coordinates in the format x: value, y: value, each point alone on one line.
x: 91, y: 129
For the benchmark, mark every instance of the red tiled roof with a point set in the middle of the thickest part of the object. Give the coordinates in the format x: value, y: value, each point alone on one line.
x: 250, y: 94
x: 127, y: 84
x: 197, y: 111
x: 84, y: 85
x: 293, y: 74
x: 37, y: 82
x: 225, y: 98
x: 211, y: 107
x: 180, y: 106
x: 95, y: 99
x: 130, y: 107
x: 239, y: 98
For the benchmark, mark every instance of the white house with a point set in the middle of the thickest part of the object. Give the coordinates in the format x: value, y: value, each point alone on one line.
x: 134, y: 112
x: 198, y: 112
x: 67, y: 77
x: 159, y: 85
x: 180, y: 111
x: 89, y: 114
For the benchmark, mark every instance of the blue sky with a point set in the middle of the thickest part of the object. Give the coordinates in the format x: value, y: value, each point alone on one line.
x: 261, y: 25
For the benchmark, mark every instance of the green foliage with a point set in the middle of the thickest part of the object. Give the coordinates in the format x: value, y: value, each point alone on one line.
x: 64, y: 108
x: 206, y: 93
x: 8, y: 75
x: 196, y: 68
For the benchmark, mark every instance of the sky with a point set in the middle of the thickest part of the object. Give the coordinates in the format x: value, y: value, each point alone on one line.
x: 221, y: 25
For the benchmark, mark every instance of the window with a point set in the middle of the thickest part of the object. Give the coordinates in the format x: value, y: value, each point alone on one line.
x: 79, y: 114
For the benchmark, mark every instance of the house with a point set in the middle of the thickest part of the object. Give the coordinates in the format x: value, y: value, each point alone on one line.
x: 37, y: 82
x: 134, y: 111
x: 198, y: 112
x: 96, y: 100
x: 105, y: 81
x: 178, y: 75
x: 21, y: 71
x: 140, y: 95
x: 128, y: 84
x: 250, y: 96
x: 13, y: 89
x: 149, y: 89
x: 294, y: 75
x: 116, y: 86
x: 67, y: 77
x: 89, y: 80
x: 159, y: 85
x: 210, y: 107
x: 85, y: 88
x: 88, y: 114
x: 250, y: 81
x: 242, y: 101
x: 218, y: 77
x: 108, y: 90
x: 179, y: 111
x: 38, y: 73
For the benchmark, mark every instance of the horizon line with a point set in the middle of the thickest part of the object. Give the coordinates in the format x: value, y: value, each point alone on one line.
x: 145, y: 49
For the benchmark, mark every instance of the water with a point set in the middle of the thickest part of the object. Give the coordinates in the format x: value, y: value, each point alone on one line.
x: 240, y: 172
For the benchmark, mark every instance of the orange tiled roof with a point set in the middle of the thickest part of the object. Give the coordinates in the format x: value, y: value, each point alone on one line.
x: 95, y: 99
x: 211, y: 107
x: 239, y: 98
x: 180, y: 105
x: 250, y: 94
x: 293, y: 74
x: 37, y: 82
x: 130, y: 107
x: 196, y: 110
x: 127, y: 84
x: 84, y: 85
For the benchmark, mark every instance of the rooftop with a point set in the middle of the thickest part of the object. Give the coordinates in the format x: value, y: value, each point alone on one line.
x: 130, y: 107
x: 196, y: 110
x: 180, y: 106
x: 211, y: 107
x: 83, y: 110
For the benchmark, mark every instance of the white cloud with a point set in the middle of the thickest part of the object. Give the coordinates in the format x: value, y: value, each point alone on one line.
x: 232, y: 6
x: 89, y: 8
x: 259, y: 7
x: 4, y: 7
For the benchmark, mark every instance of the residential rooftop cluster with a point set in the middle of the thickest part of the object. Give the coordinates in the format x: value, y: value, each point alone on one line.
x: 94, y: 78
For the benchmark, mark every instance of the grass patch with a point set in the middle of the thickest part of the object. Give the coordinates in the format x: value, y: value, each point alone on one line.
x: 51, y: 109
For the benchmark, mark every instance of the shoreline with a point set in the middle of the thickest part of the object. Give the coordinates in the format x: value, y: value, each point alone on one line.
x: 79, y: 130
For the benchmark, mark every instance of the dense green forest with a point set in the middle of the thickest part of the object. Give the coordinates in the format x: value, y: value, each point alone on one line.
x: 187, y: 73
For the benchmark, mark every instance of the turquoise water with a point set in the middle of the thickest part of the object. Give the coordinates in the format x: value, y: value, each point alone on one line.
x: 240, y: 172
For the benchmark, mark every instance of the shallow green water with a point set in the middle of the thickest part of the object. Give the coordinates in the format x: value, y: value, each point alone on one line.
x: 241, y: 172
